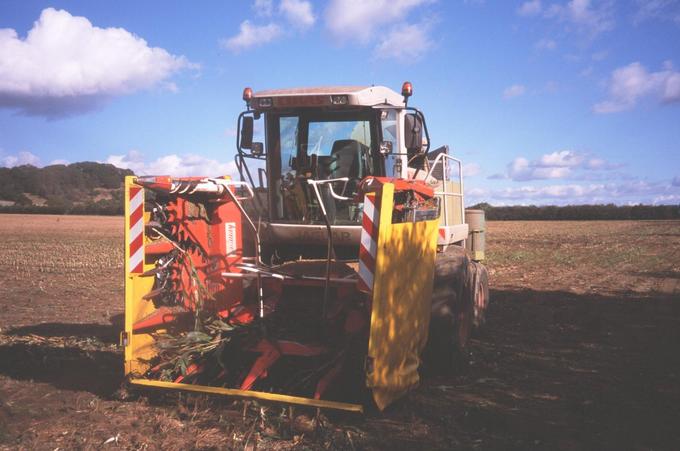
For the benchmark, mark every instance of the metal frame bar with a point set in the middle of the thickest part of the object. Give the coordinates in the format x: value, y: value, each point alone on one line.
x: 442, y: 158
x: 322, y: 403
x: 330, y: 251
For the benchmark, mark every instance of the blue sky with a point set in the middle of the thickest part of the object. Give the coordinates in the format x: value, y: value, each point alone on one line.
x: 547, y: 102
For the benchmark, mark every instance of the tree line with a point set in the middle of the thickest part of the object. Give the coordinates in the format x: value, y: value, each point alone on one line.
x: 78, y: 188
x: 578, y: 212
x: 90, y: 188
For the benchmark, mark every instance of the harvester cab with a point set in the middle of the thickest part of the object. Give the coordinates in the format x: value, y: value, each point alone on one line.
x: 329, y: 140
x: 319, y: 284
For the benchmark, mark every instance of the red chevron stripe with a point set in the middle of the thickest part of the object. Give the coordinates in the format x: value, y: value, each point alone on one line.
x: 138, y: 268
x: 136, y: 215
x: 136, y: 244
x: 367, y: 259
x: 369, y: 227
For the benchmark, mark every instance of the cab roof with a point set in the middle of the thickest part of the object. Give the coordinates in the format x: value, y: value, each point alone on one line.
x: 322, y: 96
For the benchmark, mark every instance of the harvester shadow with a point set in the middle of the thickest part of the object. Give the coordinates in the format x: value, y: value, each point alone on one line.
x: 555, y: 369
x: 69, y: 368
x: 84, y: 361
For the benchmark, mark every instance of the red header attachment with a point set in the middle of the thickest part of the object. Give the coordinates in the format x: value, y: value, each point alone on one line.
x: 373, y: 184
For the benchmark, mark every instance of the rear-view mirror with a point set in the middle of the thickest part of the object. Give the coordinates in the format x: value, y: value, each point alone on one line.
x: 246, y: 140
x: 413, y: 133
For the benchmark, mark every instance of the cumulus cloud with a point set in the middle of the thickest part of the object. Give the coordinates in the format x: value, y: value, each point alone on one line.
x: 633, y: 192
x: 514, y: 91
x: 405, y: 43
x: 174, y: 165
x: 556, y: 165
x: 666, y: 199
x: 250, y: 35
x: 663, y: 10
x: 358, y: 20
x: 298, y: 12
x: 560, y: 159
x: 65, y: 65
x: 20, y: 159
x: 521, y: 169
x: 631, y: 83
x: 583, y: 16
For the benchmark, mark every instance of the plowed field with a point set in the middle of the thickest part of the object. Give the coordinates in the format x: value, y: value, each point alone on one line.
x: 581, y: 350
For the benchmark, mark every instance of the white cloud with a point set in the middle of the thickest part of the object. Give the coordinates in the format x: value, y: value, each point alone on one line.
x: 298, y: 13
x: 66, y: 66
x: 514, y: 91
x: 676, y: 180
x: 174, y: 165
x: 545, y: 44
x: 59, y: 161
x: 631, y: 83
x: 560, y: 159
x: 250, y: 35
x: 358, y: 20
x: 573, y: 193
x: 663, y: 10
x: 556, y: 165
x: 521, y: 169
x: 405, y: 43
x: 530, y: 8
x: 666, y: 199
x: 583, y: 16
x: 20, y: 159
x: 263, y: 7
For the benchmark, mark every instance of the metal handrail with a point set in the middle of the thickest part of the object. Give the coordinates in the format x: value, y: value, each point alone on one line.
x: 329, y: 251
x: 442, y: 158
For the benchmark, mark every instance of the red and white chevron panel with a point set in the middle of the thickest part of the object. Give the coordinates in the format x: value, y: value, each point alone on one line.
x: 368, y: 248
x: 136, y: 230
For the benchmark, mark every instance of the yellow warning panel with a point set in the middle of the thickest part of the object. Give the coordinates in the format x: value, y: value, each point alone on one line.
x: 139, y: 348
x: 402, y: 292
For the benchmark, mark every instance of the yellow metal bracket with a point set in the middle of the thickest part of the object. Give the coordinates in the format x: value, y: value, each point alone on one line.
x: 321, y: 403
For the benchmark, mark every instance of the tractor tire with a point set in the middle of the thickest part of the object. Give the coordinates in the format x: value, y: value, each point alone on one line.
x: 452, y: 316
x: 480, y: 283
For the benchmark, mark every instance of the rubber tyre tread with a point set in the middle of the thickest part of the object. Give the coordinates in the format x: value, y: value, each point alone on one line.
x: 452, y: 310
x: 480, y: 279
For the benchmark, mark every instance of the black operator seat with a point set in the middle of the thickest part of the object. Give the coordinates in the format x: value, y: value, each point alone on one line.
x: 349, y: 157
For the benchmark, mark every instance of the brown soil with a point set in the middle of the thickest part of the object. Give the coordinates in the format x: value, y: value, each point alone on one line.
x: 581, y: 350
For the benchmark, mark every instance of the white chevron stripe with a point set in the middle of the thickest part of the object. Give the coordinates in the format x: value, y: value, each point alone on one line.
x: 368, y: 243
x: 136, y: 258
x: 366, y: 276
x: 136, y: 230
x: 136, y: 201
